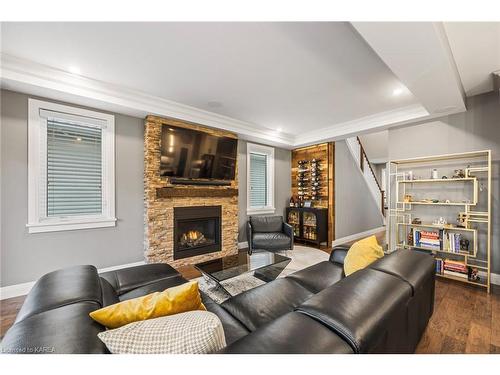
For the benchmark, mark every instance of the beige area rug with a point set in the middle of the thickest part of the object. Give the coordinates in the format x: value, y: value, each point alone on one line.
x: 302, y: 257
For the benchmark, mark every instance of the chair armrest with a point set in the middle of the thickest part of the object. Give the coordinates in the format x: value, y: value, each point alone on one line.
x: 288, y: 230
x: 249, y: 237
x: 338, y: 254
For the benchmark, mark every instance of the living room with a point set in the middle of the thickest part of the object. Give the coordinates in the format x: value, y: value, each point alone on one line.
x: 251, y: 188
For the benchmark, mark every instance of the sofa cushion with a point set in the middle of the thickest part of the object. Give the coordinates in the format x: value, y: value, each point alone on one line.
x: 175, y: 300
x: 271, y: 240
x: 66, y: 329
x: 367, y: 309
x: 361, y: 254
x: 292, y: 333
x: 260, y: 305
x: 62, y: 287
x: 193, y: 332
x: 156, y: 286
x: 233, y: 329
x: 318, y: 276
x: 411, y: 266
x: 263, y: 224
x: 126, y: 279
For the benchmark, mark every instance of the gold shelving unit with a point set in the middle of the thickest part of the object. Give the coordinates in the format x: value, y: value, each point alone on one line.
x: 477, y: 172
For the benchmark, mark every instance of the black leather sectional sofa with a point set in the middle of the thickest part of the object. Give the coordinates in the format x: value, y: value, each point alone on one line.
x: 381, y: 309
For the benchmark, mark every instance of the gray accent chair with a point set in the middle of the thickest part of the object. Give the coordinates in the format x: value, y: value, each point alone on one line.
x: 269, y: 233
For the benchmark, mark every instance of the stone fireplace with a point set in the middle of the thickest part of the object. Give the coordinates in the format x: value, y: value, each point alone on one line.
x: 197, y: 230
x: 177, y: 215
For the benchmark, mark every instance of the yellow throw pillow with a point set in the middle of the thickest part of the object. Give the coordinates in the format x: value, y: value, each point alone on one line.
x: 361, y: 254
x: 179, y: 299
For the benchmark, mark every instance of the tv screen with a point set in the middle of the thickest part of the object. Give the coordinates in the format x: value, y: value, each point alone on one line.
x: 188, y: 153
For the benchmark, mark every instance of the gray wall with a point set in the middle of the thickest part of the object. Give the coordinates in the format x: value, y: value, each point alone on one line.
x: 282, y: 183
x: 25, y: 257
x: 355, y: 209
x: 476, y: 129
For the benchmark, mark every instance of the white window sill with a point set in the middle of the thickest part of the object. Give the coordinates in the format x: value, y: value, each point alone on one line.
x: 70, y: 225
x: 261, y: 211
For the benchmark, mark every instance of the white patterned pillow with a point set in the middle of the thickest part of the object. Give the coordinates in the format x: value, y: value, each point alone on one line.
x: 193, y: 332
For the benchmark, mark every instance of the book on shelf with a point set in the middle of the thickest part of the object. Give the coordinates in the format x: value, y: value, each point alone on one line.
x: 452, y: 242
x: 456, y: 274
x: 439, y: 265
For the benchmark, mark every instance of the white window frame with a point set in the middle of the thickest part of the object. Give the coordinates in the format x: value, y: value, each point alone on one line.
x: 38, y: 221
x: 253, y: 148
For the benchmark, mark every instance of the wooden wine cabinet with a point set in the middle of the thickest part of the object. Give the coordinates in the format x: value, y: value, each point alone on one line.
x: 310, y: 224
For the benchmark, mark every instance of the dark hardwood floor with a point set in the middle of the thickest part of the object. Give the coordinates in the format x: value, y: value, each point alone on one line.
x: 465, y: 320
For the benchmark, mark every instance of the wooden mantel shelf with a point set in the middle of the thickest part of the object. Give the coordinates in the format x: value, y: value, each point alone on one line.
x: 182, y: 192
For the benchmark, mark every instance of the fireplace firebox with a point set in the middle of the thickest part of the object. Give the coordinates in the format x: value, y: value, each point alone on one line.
x: 197, y: 231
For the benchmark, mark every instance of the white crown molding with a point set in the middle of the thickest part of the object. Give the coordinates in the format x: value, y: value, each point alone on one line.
x: 27, y: 76
x: 40, y: 80
x: 379, y: 121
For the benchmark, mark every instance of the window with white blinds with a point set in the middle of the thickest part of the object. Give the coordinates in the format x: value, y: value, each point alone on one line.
x: 71, y: 168
x: 74, y: 169
x: 258, y: 180
x: 260, y: 176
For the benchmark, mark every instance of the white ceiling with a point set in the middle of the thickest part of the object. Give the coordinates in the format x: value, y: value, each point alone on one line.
x: 287, y: 84
x: 476, y: 49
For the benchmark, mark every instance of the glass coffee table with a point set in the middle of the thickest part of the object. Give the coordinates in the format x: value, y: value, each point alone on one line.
x: 265, y: 266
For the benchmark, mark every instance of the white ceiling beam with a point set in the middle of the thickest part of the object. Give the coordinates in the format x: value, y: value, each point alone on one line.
x: 419, y: 54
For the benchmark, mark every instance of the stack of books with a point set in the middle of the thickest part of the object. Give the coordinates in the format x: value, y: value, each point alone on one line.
x: 452, y: 242
x: 429, y: 239
x: 455, y: 268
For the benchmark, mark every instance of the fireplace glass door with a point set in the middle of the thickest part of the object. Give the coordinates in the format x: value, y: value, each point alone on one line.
x: 197, y: 230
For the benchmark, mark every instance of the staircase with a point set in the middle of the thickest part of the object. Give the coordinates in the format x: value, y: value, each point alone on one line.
x: 359, y: 155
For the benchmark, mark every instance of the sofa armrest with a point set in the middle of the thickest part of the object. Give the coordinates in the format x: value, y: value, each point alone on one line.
x: 126, y: 279
x: 288, y: 230
x: 338, y: 254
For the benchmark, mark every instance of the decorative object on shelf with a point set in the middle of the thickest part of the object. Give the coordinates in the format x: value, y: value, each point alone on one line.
x: 416, y: 220
x: 444, y: 178
x: 464, y: 245
x: 434, y: 174
x: 440, y: 221
x: 292, y: 202
x: 409, y: 175
x: 447, y: 201
x: 407, y: 198
x: 307, y: 203
x: 410, y: 238
x: 459, y: 173
x: 435, y: 201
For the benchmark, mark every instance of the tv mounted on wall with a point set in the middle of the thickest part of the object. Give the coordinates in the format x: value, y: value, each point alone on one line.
x: 192, y: 156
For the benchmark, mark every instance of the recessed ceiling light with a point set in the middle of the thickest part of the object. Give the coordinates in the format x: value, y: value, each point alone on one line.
x: 75, y: 70
x: 397, y: 92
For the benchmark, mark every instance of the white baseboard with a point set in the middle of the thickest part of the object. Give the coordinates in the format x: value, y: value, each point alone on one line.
x: 357, y: 236
x: 495, y: 278
x: 243, y: 245
x: 24, y: 288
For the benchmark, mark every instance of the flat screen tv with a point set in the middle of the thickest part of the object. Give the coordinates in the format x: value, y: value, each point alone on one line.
x: 196, y: 155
